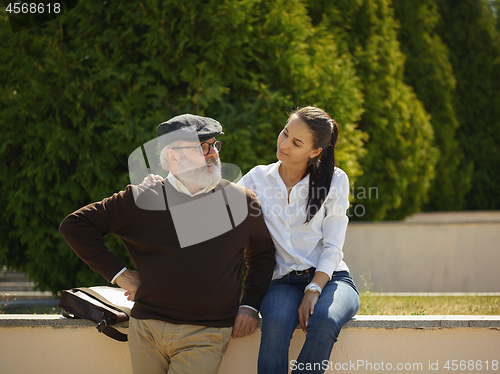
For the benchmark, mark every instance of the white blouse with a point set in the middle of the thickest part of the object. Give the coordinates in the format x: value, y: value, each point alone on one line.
x: 300, y: 246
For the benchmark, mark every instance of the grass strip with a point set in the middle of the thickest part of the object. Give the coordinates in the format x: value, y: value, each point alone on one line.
x: 428, y: 305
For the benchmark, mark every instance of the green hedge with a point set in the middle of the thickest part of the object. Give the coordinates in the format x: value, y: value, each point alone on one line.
x: 412, y: 84
x: 429, y: 71
x: 468, y: 29
x: 401, y: 154
x: 80, y: 93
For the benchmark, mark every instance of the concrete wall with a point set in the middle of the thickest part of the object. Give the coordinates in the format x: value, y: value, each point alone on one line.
x: 429, y: 252
x: 51, y: 344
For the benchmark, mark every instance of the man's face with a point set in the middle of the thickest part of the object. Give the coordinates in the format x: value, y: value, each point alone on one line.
x: 197, y: 169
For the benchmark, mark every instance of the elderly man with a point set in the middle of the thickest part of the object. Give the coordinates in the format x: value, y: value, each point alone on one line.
x: 187, y: 238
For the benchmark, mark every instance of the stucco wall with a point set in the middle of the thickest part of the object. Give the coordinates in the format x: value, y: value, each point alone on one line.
x: 429, y: 252
x: 50, y: 344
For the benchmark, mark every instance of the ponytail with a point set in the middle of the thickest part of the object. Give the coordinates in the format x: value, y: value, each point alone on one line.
x: 321, y: 168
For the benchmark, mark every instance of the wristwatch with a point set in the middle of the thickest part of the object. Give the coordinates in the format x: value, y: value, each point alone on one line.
x: 313, y: 287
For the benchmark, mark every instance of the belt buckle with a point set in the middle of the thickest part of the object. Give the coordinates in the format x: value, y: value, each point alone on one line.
x: 301, y: 272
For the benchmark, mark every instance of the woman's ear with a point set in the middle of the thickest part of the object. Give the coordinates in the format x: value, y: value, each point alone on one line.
x: 316, y: 153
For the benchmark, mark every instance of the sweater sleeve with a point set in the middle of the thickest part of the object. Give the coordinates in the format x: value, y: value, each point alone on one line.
x: 84, y: 230
x: 260, y: 256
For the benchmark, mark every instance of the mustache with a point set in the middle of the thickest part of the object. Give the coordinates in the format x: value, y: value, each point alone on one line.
x: 213, y: 161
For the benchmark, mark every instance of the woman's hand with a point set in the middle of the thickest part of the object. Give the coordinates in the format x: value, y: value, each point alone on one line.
x: 151, y: 180
x: 306, y: 308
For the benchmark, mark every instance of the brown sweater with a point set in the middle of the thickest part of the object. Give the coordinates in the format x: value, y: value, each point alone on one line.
x: 197, y: 284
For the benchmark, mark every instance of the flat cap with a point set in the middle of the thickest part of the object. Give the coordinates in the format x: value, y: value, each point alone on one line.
x: 188, y: 127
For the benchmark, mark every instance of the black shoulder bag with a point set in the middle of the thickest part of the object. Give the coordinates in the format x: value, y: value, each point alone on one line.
x: 106, y: 306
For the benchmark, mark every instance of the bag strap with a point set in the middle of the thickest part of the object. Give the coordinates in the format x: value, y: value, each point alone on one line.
x: 110, y: 331
x: 102, y: 326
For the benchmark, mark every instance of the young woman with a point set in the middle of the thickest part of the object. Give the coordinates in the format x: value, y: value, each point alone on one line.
x: 304, y: 199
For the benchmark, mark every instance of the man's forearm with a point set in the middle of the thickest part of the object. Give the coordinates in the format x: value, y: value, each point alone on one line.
x: 260, y: 267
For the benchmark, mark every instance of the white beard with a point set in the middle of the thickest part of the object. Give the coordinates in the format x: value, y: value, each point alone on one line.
x: 200, y: 177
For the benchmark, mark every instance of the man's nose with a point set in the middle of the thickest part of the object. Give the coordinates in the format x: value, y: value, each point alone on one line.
x: 212, y: 153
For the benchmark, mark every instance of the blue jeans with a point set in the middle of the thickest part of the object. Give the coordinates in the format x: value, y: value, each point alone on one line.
x: 338, y: 303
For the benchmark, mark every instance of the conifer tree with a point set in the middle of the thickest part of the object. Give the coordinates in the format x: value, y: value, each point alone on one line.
x: 429, y: 72
x: 401, y: 155
x: 495, y: 7
x: 80, y: 93
x: 468, y: 29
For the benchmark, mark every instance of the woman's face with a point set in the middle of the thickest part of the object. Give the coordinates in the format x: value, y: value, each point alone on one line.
x: 295, y: 143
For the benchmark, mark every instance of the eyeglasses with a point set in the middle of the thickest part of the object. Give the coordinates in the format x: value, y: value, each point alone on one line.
x: 205, y: 147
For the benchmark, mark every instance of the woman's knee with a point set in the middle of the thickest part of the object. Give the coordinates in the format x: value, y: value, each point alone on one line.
x: 331, y: 320
x: 325, y: 324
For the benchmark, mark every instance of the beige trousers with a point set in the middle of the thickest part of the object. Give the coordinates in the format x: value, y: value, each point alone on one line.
x: 158, y: 347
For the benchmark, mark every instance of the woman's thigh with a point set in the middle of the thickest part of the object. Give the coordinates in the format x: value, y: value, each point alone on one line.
x: 279, y: 309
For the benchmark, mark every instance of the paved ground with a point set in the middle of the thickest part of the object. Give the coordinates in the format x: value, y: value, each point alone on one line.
x: 17, y: 290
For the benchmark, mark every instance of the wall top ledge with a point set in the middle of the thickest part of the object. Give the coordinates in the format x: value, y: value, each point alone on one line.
x: 387, y: 322
x: 419, y: 322
x: 439, y: 218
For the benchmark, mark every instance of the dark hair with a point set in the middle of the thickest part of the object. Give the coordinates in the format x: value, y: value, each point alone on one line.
x: 325, y: 133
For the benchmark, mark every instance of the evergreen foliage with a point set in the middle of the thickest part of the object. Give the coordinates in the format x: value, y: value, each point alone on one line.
x: 428, y: 71
x: 401, y: 154
x: 80, y: 93
x: 495, y: 7
x: 468, y: 29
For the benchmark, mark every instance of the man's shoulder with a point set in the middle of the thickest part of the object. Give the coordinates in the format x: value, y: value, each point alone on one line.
x: 147, y: 198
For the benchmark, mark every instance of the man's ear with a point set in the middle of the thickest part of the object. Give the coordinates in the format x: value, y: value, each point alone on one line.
x: 172, y: 156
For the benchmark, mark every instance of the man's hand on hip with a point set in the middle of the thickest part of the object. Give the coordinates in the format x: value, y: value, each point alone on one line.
x: 245, y: 323
x: 129, y: 280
